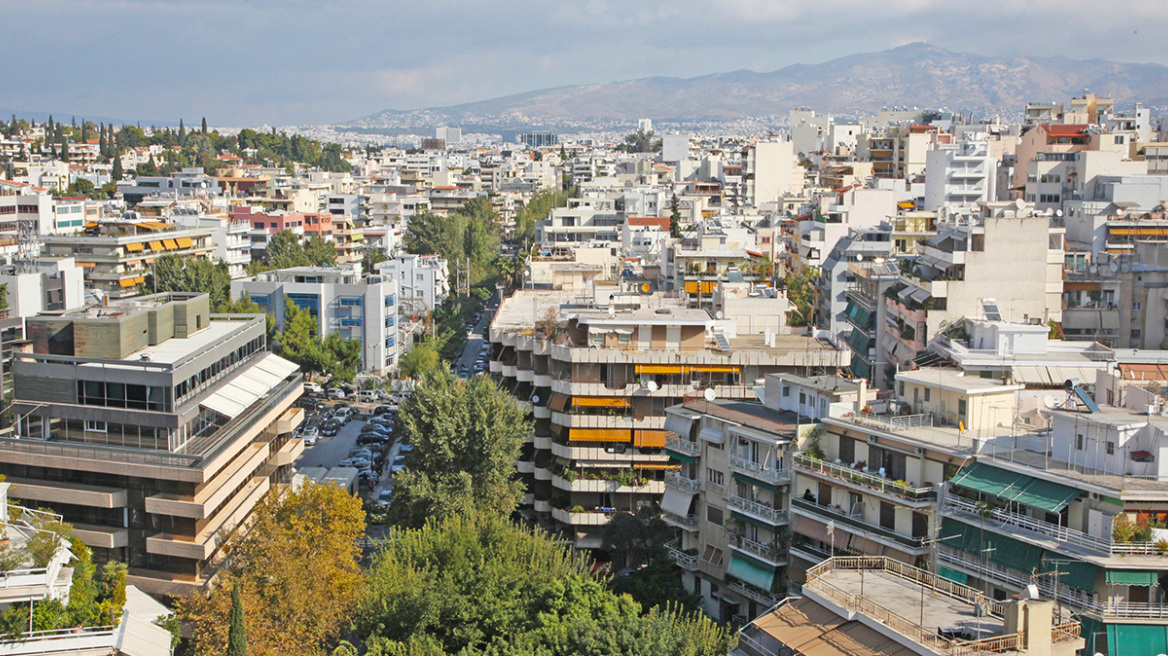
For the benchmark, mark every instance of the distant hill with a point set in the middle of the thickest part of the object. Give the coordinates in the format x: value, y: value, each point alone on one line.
x: 65, y: 117
x: 912, y: 75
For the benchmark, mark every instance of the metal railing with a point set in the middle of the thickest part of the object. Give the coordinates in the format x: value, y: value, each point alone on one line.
x: 769, y: 552
x: 687, y: 521
x: 683, y: 559
x: 767, y: 513
x: 757, y: 594
x: 759, y: 470
x: 865, y: 479
x: 682, y: 482
x: 680, y: 445
x: 955, y: 505
x: 831, y: 513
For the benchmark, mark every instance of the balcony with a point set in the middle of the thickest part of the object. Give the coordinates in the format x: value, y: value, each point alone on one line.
x: 759, y: 470
x: 583, y: 518
x: 757, y: 510
x: 758, y: 594
x: 683, y: 446
x: 768, y: 553
x: 856, y: 478
x: 683, y: 483
x: 828, y: 514
x: 542, y: 443
x: 686, y: 523
x: 601, y: 485
x: 688, y: 562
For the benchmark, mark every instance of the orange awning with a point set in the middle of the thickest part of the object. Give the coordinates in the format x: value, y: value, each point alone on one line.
x: 169, y: 244
x: 599, y: 435
x: 156, y: 246
x: 87, y: 265
x: 600, y: 402
x: 691, y: 286
x: 185, y: 242
x: 128, y: 282
x: 134, y: 248
x: 714, y: 369
x: 653, y: 465
x: 662, y: 369
x: 649, y: 438
x: 906, y: 205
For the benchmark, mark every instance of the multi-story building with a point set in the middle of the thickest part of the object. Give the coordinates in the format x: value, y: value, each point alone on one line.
x: 153, y: 428
x: 864, y: 315
x: 230, y: 236
x: 24, y: 202
x: 188, y: 182
x: 578, y: 226
x: 598, y: 377
x: 117, y: 256
x: 266, y: 224
x: 340, y: 300
x: 770, y: 171
x: 960, y: 175
x: 422, y: 280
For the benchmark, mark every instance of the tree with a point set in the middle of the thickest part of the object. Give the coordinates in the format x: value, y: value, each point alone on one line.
x: 641, y: 141
x: 342, y: 357
x: 801, y: 294
x: 466, y: 437
x: 538, y: 208
x: 472, y: 232
x: 117, y: 173
x: 657, y: 585
x: 674, y: 217
x: 633, y: 539
x: 299, y: 340
x: 236, y: 630
x: 420, y: 360
x: 298, y: 574
x: 204, y: 125
x: 286, y: 250
x: 173, y: 273
x: 371, y: 259
x: 481, y: 585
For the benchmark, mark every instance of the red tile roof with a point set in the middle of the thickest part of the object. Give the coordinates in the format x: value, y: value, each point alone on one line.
x: 659, y: 221
x: 1064, y: 130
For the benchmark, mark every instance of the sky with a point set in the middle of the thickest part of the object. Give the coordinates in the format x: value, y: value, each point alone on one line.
x: 300, y: 62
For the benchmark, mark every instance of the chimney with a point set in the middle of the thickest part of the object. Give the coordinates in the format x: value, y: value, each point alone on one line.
x: 862, y: 399
x: 1037, y: 620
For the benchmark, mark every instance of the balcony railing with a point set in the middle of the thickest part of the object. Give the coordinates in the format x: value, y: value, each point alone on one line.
x: 955, y: 505
x: 757, y: 594
x: 762, y: 511
x: 768, y: 552
x: 864, y: 479
x: 680, y: 445
x: 839, y: 515
x: 759, y: 470
x: 688, y: 522
x: 683, y: 482
x: 684, y: 560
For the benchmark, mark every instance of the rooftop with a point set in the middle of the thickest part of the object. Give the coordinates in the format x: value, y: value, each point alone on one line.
x: 955, y: 380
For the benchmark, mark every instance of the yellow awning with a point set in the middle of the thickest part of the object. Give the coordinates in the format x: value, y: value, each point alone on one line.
x: 653, y: 465
x: 128, y: 282
x: 600, y: 402
x: 169, y: 244
x: 714, y: 369
x: 662, y: 369
x: 185, y: 242
x: 906, y: 205
x: 599, y: 435
x: 649, y: 438
x: 691, y: 286
x: 134, y: 248
x: 156, y: 246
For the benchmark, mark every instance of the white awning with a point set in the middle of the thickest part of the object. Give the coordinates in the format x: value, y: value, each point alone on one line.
x: 678, y: 424
x: 231, y: 399
x: 676, y: 502
x: 1053, y: 376
x: 712, y: 436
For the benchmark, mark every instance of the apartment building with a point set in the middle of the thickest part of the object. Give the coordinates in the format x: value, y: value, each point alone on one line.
x: 264, y: 224
x: 979, y: 265
x: 230, y: 237
x: 25, y: 202
x: 355, y: 306
x: 960, y: 175
x: 578, y: 226
x: 598, y: 369
x: 770, y: 170
x: 423, y: 281
x: 897, y: 152
x: 153, y: 428
x: 117, y: 255
x: 185, y: 183
x: 860, y: 246
x: 864, y: 316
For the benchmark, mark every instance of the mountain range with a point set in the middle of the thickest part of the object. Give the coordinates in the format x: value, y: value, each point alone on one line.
x: 917, y: 74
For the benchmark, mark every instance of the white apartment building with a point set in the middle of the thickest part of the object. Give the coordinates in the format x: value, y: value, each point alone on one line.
x: 361, y: 307
x: 421, y: 280
x: 770, y: 171
x: 231, y: 237
x: 577, y: 226
x: 960, y: 175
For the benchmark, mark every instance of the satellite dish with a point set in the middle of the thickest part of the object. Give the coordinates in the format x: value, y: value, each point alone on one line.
x: 1058, y: 212
x: 1093, y: 269
x: 719, y: 314
x: 651, y: 385
x: 1050, y: 402
x: 709, y: 394
x: 859, y: 258
x: 535, y: 399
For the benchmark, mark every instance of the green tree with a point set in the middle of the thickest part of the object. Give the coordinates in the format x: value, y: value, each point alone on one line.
x: 674, y: 217
x: 472, y: 233
x: 371, y: 259
x: 117, y: 173
x: 204, y: 125
x: 634, y: 539
x: 657, y: 585
x: 236, y: 630
x: 299, y: 340
x: 538, y: 208
x: 466, y: 437
x: 801, y: 294
x: 342, y: 357
x: 286, y: 250
x: 641, y: 141
x: 421, y: 360
x: 173, y: 273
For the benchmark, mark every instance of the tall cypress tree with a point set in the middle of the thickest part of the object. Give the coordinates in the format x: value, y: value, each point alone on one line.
x: 204, y: 125
x: 236, y: 631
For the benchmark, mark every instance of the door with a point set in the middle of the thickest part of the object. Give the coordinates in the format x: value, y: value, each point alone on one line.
x: 887, y: 516
x: 920, y: 525
x: 824, y: 494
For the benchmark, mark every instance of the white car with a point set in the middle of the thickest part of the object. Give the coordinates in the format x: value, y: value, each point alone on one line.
x: 336, y: 393
x: 310, y: 435
x: 313, y: 388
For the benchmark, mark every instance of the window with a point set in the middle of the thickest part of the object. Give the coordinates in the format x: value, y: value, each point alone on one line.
x: 1078, y: 442
x: 802, y: 398
x: 712, y: 555
x: 901, y: 388
x: 715, y: 477
x: 786, y: 391
x: 887, y: 515
x: 1137, y: 306
x: 95, y: 426
x: 1049, y: 198
x: 1111, y: 448
x: 928, y: 390
x: 714, y: 515
x: 1135, y: 333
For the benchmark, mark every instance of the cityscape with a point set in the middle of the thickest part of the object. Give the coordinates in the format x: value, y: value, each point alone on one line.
x: 866, y: 355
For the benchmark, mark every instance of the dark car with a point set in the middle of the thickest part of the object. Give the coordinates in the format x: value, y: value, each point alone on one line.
x: 330, y: 428
x: 308, y: 403
x: 382, y: 410
x: 374, y: 428
x: 366, y: 439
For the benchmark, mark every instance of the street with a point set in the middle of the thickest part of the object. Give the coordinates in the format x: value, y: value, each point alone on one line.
x: 474, y: 340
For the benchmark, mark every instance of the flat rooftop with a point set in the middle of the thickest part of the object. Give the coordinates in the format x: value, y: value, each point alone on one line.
x: 177, y: 348
x: 956, y: 381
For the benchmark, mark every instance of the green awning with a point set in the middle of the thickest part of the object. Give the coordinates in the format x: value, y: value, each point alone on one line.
x: 1007, y: 552
x: 860, y: 366
x: 957, y: 535
x: 991, y: 480
x: 953, y: 575
x: 859, y: 315
x: 1136, y: 639
x: 859, y: 341
x: 751, y: 520
x: 1074, y: 573
x: 755, y: 481
x: 1131, y: 577
x: 1047, y: 496
x: 680, y: 456
x: 750, y: 572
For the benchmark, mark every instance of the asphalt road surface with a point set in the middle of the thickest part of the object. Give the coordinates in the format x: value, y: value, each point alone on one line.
x: 330, y: 451
x: 475, y: 341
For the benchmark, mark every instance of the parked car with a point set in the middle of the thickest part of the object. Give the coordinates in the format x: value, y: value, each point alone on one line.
x: 313, y: 388
x: 382, y: 410
x: 399, y: 463
x: 385, y: 497
x: 366, y: 396
x: 336, y: 393
x: 343, y: 414
x: 308, y: 403
x: 359, y: 463
x: 330, y: 428
x: 309, y: 435
x: 405, y: 448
